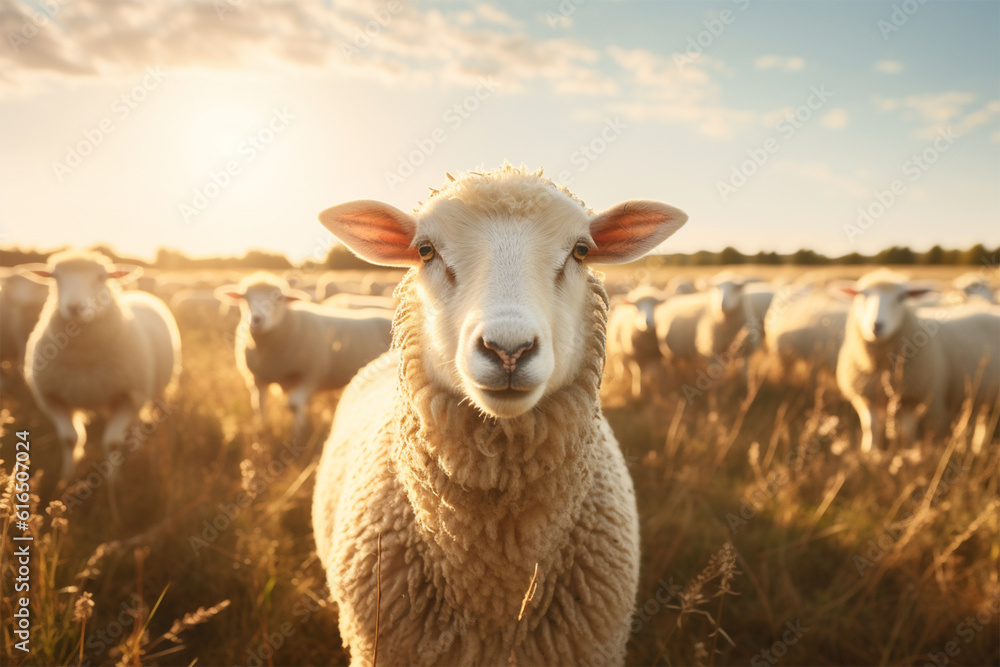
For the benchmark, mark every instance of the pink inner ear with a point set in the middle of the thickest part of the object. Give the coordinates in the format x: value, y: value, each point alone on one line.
x: 848, y: 290
x: 920, y: 291
x: 289, y: 297
x: 377, y: 232
x: 631, y: 229
x: 43, y: 274
x: 234, y: 295
x: 118, y: 275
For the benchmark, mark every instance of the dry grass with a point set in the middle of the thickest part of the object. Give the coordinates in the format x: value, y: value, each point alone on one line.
x: 757, y: 516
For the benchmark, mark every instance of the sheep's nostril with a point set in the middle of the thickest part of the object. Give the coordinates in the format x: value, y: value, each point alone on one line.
x: 877, y: 328
x: 508, y: 355
x: 75, y: 310
x: 255, y: 320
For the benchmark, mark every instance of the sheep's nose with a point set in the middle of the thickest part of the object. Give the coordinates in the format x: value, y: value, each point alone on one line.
x: 877, y: 328
x: 75, y: 309
x: 255, y: 320
x: 509, y: 355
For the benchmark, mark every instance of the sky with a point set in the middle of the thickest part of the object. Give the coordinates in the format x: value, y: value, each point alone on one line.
x: 218, y: 126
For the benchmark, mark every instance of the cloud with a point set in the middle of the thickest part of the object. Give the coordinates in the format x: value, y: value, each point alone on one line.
x: 662, y: 91
x: 888, y: 66
x: 931, y: 112
x: 834, y: 119
x: 835, y: 185
x: 788, y: 64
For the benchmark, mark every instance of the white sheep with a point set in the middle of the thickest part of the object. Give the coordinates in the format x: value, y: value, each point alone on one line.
x: 975, y: 286
x: 679, y: 285
x: 633, y: 352
x: 360, y: 301
x: 284, y: 339
x: 21, y: 302
x: 476, y: 453
x: 728, y: 316
x: 97, y: 348
x: 804, y: 329
x: 893, y: 354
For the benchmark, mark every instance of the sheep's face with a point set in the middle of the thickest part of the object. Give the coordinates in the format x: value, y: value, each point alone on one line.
x: 726, y: 298
x: 263, y: 305
x: 505, y: 303
x: 645, y: 309
x: 85, y: 288
x: 879, y: 309
x: 503, y: 291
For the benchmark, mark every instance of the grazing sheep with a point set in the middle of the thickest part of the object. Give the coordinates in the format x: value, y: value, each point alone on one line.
x: 920, y: 365
x: 803, y: 332
x: 96, y: 348
x: 680, y: 285
x: 727, y: 316
x: 21, y: 302
x: 632, y: 348
x: 302, y: 347
x: 474, y: 459
x: 973, y: 287
x: 356, y: 301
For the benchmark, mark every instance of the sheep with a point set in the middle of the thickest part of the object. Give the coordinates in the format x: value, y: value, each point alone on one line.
x: 21, y: 301
x: 679, y: 285
x: 804, y: 328
x: 728, y: 315
x: 632, y: 347
x: 897, y: 359
x: 196, y: 307
x: 973, y: 287
x: 473, y: 459
x: 284, y: 339
x: 356, y: 301
x: 95, y: 348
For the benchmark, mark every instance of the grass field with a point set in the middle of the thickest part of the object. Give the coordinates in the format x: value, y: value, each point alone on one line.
x: 766, y: 538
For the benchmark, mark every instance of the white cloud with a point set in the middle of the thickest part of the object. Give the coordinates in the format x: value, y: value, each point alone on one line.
x: 834, y: 184
x: 932, y: 112
x: 787, y: 64
x: 834, y: 119
x: 888, y: 66
x: 491, y: 14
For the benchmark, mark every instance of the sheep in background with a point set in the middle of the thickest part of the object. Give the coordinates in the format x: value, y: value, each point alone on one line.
x: 96, y: 348
x: 284, y: 339
x: 356, y: 301
x: 200, y: 307
x: 632, y: 348
x: 898, y: 360
x: 476, y: 453
x: 21, y: 302
x: 803, y: 332
x: 728, y: 315
x: 679, y: 285
x: 973, y: 287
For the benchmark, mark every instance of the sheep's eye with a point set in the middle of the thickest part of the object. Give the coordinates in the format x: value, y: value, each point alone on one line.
x: 580, y: 251
x: 426, y: 251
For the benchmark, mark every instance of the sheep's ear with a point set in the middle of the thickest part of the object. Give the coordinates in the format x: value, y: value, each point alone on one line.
x: 125, y: 273
x: 916, y: 292
x: 843, y: 287
x: 631, y: 229
x: 376, y: 232
x: 296, y: 295
x: 229, y: 294
x: 39, y: 273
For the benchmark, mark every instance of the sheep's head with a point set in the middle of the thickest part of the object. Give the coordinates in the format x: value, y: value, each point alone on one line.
x: 263, y: 300
x: 502, y: 277
x: 86, y: 282
x: 726, y: 292
x: 645, y: 301
x: 879, y: 308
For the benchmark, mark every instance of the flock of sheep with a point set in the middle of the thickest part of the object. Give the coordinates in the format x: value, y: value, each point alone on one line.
x: 470, y: 479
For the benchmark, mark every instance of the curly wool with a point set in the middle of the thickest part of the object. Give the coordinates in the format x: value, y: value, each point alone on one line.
x: 466, y: 506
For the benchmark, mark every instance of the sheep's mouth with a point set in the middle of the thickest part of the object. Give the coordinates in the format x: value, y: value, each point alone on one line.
x: 508, y: 393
